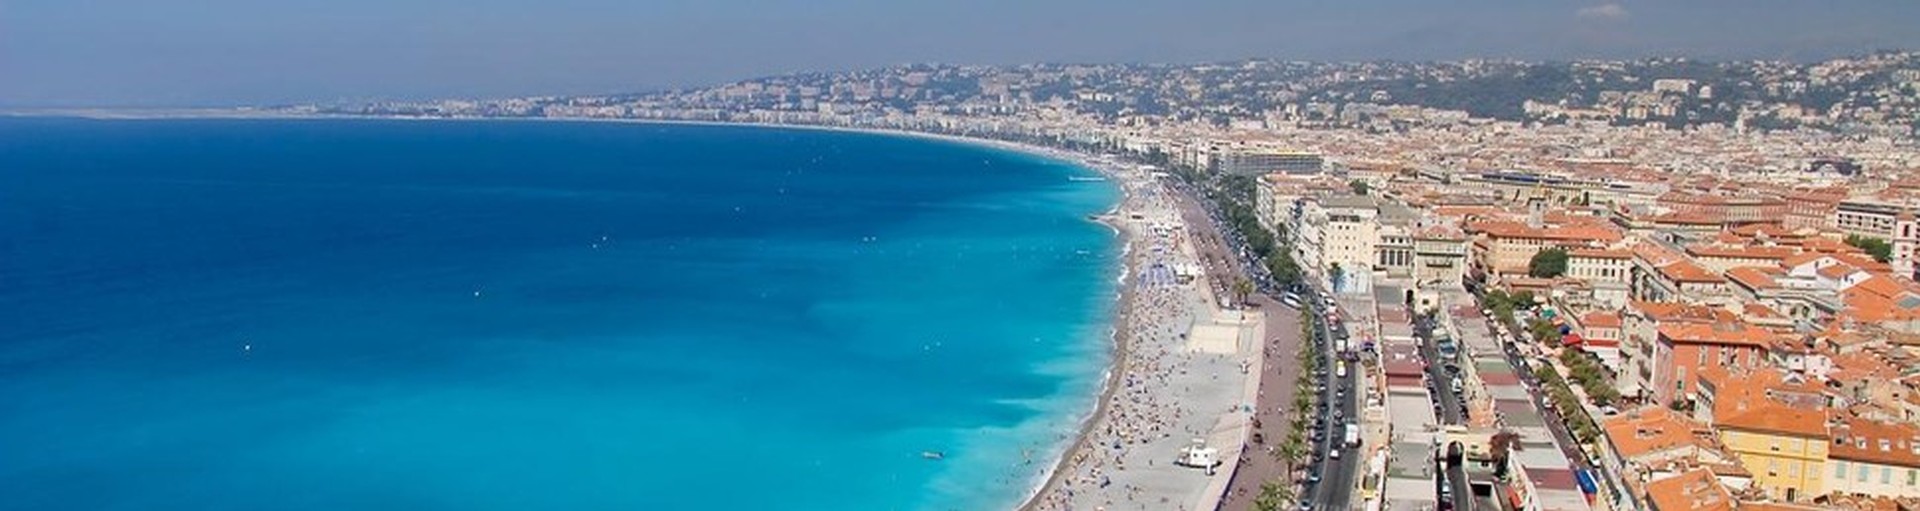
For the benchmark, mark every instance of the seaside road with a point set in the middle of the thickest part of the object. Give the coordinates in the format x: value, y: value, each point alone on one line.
x: 1336, y: 489
x: 1216, y: 255
x: 1276, y: 392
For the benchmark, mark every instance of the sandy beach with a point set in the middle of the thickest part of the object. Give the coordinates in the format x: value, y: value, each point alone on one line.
x: 1184, y: 370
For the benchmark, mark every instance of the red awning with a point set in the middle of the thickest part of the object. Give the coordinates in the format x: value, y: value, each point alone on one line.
x: 1570, y: 340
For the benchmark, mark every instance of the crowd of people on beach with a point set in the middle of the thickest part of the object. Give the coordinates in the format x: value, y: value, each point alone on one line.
x: 1143, y: 406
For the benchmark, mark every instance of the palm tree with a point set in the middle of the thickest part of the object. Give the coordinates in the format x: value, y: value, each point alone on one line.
x: 1272, y: 496
x: 1289, y: 452
x: 1242, y: 289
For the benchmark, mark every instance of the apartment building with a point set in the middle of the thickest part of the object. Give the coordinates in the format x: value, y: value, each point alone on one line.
x: 1440, y: 255
x: 1351, y: 232
x: 1682, y: 351
x: 1607, y: 272
x: 1876, y: 459
x: 1785, y: 448
x: 1506, y: 247
x: 1892, y: 220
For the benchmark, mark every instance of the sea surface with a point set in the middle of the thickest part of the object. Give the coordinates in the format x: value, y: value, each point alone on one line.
x: 473, y: 315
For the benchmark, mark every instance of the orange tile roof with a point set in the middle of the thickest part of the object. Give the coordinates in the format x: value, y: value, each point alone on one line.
x: 1862, y: 366
x: 1696, y: 490
x: 1600, y: 319
x: 1574, y: 233
x: 1600, y: 253
x: 1769, y: 253
x: 1754, y: 277
x: 1681, y: 313
x: 1804, y: 258
x: 1770, y: 230
x: 1759, y: 310
x: 1827, y: 245
x: 1686, y: 219
x: 1745, y: 402
x: 1688, y: 271
x: 1647, y: 431
x: 1837, y: 271
x: 1863, y: 261
x: 1729, y: 238
x: 1654, y: 254
x: 1775, y: 419
x: 1880, y: 285
x: 1880, y: 299
x: 1885, y: 443
x: 1737, y: 334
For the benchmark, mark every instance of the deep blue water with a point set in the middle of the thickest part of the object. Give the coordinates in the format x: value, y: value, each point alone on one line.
x: 249, y: 314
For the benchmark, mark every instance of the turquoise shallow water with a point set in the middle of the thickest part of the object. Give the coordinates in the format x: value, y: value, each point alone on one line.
x: 224, y: 314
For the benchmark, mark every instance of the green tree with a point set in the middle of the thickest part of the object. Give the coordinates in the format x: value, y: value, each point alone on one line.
x: 1359, y: 187
x: 1242, y: 289
x: 1548, y: 263
x: 1497, y: 300
x: 1272, y: 496
x: 1543, y: 331
x: 1284, y: 269
x: 1878, y: 248
x: 1289, y: 452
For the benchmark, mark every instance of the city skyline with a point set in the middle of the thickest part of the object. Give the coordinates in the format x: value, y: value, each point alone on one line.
x: 115, y: 53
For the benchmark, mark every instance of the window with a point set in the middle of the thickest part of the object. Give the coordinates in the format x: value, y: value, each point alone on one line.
x: 1861, y: 474
x: 1886, y: 475
x: 1912, y: 477
x: 1840, y: 470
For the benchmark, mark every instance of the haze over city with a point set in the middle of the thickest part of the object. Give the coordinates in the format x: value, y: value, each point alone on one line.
x: 232, y: 52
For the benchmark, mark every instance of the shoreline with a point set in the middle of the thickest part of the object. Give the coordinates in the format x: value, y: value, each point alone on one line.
x: 1118, y: 341
x: 1057, y: 471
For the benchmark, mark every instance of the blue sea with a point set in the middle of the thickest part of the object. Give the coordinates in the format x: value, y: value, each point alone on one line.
x: 473, y: 315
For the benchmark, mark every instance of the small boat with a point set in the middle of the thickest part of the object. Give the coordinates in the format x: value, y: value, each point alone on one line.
x: 933, y: 455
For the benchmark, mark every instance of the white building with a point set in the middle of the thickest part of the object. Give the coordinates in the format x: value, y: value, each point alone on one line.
x: 1351, y: 234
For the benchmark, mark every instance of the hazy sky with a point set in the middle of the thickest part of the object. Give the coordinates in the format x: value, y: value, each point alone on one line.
x: 215, y: 52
